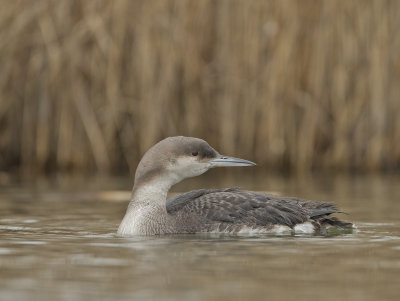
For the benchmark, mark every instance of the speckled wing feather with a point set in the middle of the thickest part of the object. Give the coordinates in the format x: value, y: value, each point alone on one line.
x: 236, y: 206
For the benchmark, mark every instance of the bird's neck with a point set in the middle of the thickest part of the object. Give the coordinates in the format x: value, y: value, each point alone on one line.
x: 147, y: 213
x: 152, y: 192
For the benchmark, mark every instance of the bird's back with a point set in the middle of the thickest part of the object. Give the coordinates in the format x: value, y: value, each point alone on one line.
x: 235, y: 210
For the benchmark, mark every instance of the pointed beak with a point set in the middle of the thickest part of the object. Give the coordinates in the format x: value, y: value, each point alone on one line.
x: 230, y: 161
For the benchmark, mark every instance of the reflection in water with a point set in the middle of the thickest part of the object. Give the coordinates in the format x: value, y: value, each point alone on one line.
x: 57, y: 247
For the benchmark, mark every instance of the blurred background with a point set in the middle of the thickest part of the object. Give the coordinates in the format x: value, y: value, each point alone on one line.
x: 307, y: 89
x: 89, y: 86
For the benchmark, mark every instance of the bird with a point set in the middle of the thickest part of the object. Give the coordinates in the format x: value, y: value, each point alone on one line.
x: 227, y: 210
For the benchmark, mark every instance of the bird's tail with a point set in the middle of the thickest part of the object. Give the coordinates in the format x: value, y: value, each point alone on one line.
x: 332, y: 224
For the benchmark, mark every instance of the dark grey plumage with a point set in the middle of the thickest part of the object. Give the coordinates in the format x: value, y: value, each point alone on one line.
x: 232, y: 209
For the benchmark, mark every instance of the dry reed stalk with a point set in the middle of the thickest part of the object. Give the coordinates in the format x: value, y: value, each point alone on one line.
x: 91, y: 85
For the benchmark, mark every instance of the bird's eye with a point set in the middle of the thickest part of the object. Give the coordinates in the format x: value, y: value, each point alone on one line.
x: 195, y: 153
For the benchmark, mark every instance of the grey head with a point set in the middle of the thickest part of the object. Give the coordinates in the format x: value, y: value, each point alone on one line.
x: 176, y: 158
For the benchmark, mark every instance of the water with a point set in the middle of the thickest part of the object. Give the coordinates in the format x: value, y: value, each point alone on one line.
x: 57, y: 242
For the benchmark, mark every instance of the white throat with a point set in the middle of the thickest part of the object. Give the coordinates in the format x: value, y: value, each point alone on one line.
x: 146, y: 212
x: 151, y: 192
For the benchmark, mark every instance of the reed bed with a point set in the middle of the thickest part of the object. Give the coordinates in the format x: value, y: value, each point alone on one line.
x: 295, y: 85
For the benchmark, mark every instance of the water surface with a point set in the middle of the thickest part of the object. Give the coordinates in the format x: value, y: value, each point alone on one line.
x: 58, y: 242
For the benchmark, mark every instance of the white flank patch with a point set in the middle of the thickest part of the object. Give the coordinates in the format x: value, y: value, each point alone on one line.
x: 274, y: 230
x: 280, y: 229
x: 249, y: 230
x: 306, y: 227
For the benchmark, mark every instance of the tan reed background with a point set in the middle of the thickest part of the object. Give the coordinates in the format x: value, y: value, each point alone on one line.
x: 300, y: 85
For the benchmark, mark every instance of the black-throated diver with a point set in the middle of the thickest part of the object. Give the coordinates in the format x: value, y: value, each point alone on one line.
x: 229, y: 210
